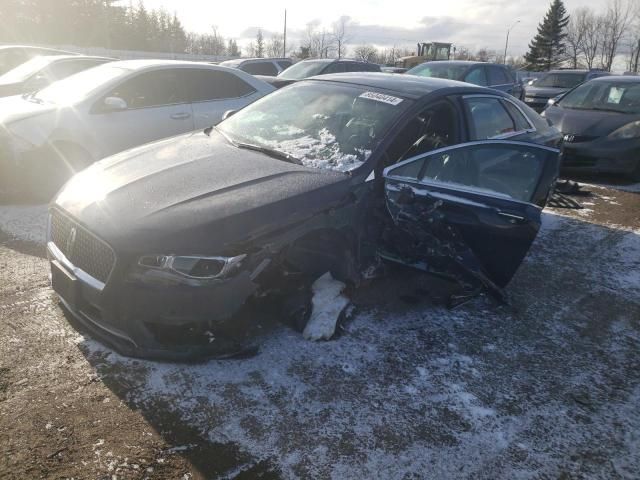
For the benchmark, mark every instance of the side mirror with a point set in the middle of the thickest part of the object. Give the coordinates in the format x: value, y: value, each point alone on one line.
x: 228, y: 113
x: 531, y: 82
x: 554, y: 100
x: 115, y: 104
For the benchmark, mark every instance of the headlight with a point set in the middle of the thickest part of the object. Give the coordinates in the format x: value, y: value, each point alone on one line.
x: 630, y: 130
x: 193, y: 266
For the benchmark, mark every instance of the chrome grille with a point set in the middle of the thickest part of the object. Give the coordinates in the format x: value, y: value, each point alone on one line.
x: 83, y: 249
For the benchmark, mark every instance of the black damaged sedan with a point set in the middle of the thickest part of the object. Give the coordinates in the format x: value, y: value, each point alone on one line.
x: 329, y: 174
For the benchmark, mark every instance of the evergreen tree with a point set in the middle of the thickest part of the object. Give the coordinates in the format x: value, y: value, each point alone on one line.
x: 232, y: 48
x: 547, y: 49
x: 259, y: 48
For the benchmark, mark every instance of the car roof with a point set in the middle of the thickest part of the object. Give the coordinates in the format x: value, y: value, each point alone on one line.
x: 31, y: 47
x: 151, y: 63
x: 458, y: 62
x: 572, y: 70
x: 617, y: 79
x: 409, y: 86
x: 55, y: 58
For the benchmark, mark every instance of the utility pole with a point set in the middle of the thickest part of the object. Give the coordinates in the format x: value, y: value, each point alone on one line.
x: 284, y: 43
x: 506, y: 43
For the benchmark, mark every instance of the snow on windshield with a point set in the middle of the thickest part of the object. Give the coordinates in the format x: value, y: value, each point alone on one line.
x: 324, y: 126
x: 322, y: 152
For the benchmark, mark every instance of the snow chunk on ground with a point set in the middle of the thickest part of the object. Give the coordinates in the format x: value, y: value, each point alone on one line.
x: 328, y: 303
x: 25, y: 222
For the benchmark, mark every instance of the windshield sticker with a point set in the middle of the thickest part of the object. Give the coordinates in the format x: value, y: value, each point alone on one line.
x: 615, y: 95
x: 381, y: 97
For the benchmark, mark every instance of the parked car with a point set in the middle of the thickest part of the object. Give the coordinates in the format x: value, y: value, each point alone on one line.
x: 168, y: 242
x: 269, y: 67
x: 386, y: 69
x: 40, y: 72
x: 47, y: 136
x: 13, y: 55
x: 537, y: 92
x: 322, y: 66
x: 600, y: 120
x: 492, y: 75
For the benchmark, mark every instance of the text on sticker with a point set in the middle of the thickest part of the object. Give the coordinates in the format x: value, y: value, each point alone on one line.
x: 381, y: 97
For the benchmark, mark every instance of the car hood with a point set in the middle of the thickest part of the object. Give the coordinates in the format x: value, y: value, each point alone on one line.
x: 590, y: 123
x: 544, y: 92
x: 16, y: 108
x: 195, y: 194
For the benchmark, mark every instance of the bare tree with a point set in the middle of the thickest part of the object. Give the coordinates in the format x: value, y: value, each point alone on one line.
x: 275, y: 46
x: 633, y: 39
x: 592, y: 42
x: 367, y: 53
x: 486, y: 55
x: 576, y: 32
x: 340, y: 36
x: 614, y: 26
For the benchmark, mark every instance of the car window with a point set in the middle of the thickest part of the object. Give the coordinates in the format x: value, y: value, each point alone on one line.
x: 336, y: 67
x: 61, y: 70
x: 260, y: 68
x: 510, y: 171
x: 560, y: 80
x: 476, y: 76
x: 611, y: 96
x: 371, y: 67
x: 206, y: 85
x: 304, y: 69
x: 488, y: 117
x: 518, y: 117
x: 152, y: 89
x: 497, y: 76
x: 434, y: 127
x: 284, y: 64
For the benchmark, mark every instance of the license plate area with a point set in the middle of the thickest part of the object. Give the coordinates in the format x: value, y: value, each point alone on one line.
x: 64, y: 284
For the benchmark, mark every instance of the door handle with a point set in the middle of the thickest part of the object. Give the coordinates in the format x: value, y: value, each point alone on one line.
x: 180, y: 116
x: 511, y: 217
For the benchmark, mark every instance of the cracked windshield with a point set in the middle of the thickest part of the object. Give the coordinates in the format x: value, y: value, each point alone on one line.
x: 331, y: 127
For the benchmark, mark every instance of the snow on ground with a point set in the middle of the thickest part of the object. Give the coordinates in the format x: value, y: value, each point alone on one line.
x: 25, y: 222
x: 541, y: 388
x: 545, y: 388
x: 632, y: 188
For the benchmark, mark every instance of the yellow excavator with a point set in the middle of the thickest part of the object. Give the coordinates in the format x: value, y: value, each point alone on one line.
x: 426, y: 52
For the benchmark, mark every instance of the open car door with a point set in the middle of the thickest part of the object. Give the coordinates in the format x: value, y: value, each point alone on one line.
x: 471, y: 209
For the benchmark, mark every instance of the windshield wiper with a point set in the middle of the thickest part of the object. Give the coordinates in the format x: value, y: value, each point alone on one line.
x: 31, y: 97
x: 269, y: 151
x: 607, y: 110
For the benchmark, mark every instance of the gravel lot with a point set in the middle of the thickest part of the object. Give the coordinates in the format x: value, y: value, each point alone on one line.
x: 547, y: 387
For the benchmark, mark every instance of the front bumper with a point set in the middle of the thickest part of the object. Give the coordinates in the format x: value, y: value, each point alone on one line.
x: 140, y: 317
x: 601, y: 156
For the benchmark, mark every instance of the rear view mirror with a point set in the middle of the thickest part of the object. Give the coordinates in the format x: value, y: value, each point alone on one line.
x: 228, y: 113
x: 531, y: 82
x: 114, y: 104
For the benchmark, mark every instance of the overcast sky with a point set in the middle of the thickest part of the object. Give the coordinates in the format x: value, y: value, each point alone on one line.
x: 470, y: 23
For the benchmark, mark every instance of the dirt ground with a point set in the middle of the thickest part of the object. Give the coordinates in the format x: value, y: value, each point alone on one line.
x: 546, y: 387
